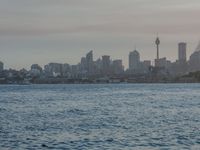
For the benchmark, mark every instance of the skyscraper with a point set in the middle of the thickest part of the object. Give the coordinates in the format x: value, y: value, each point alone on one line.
x: 117, y: 66
x: 106, y: 64
x: 89, y: 62
x: 182, y: 52
x: 134, y: 60
x: 1, y: 66
x: 195, y: 59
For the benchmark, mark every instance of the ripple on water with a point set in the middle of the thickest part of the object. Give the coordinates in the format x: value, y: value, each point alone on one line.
x: 119, y: 116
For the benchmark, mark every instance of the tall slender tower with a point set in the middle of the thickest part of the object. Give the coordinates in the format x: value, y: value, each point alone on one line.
x: 157, y: 44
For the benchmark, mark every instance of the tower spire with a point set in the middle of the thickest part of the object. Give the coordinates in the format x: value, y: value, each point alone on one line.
x: 157, y: 46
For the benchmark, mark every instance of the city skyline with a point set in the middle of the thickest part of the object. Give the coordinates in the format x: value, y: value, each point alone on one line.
x: 63, y: 31
x: 126, y: 66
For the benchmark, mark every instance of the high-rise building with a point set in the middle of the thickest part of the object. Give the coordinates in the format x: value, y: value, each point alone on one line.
x: 195, y: 60
x: 182, y: 52
x: 66, y: 69
x: 83, y: 64
x: 106, y: 64
x: 134, y: 60
x: 1, y: 66
x: 89, y: 62
x: 117, y: 66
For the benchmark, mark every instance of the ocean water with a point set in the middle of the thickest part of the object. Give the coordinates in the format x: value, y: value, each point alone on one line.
x: 100, y: 116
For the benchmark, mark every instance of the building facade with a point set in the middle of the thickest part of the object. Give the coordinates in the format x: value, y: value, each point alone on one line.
x: 106, y: 64
x: 134, y: 60
x: 1, y: 66
x: 182, y: 52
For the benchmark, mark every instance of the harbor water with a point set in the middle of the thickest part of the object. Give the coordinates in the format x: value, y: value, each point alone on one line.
x: 100, y: 116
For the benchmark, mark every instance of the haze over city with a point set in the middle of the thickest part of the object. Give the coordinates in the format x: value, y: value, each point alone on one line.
x: 62, y: 31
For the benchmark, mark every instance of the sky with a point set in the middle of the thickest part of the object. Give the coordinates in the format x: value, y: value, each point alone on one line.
x: 43, y: 31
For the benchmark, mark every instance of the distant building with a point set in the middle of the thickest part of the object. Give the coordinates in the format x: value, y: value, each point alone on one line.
x: 36, y: 70
x: 194, y: 62
x: 83, y: 64
x: 53, y: 69
x: 66, y: 70
x: 182, y: 52
x: 147, y: 63
x: 36, y: 67
x: 75, y: 71
x: 117, y: 66
x: 1, y: 66
x: 162, y: 63
x: 134, y: 60
x: 106, y: 64
x: 98, y: 67
x: 89, y: 62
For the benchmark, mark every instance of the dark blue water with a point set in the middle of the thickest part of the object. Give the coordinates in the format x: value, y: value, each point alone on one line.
x: 110, y: 116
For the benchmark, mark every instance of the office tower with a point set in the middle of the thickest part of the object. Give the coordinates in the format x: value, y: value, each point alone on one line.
x: 117, y: 66
x: 66, y: 69
x: 1, y: 66
x: 182, y: 52
x: 89, y: 62
x: 195, y: 60
x: 134, y: 60
x: 106, y: 64
x: 83, y: 64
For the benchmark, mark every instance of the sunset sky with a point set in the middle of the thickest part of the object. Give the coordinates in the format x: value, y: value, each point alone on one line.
x: 43, y: 31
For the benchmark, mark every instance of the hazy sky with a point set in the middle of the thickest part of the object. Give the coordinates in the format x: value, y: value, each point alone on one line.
x: 43, y: 31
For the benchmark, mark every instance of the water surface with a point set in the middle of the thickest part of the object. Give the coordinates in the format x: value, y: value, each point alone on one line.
x: 100, y: 116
